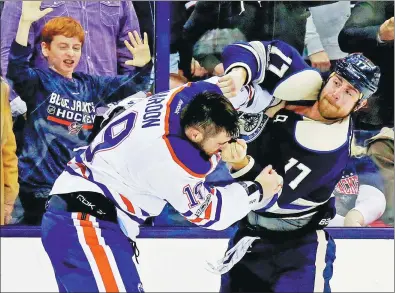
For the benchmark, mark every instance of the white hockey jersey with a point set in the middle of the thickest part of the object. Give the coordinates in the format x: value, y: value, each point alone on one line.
x: 141, y: 160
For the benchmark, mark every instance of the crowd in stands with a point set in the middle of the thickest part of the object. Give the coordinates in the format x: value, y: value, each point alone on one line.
x: 36, y: 141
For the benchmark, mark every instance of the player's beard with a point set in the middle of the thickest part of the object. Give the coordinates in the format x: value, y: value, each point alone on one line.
x: 204, y: 152
x: 200, y: 146
x: 329, y: 111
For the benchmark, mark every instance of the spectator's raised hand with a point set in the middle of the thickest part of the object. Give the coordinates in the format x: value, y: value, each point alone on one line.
x: 231, y: 83
x: 31, y: 11
x: 320, y: 60
x: 139, y: 49
x: 386, y: 31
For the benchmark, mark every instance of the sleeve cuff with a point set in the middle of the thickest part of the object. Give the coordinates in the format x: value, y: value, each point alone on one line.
x: 245, y: 170
x: 20, y: 50
x: 259, y: 186
x: 243, y: 65
x: 314, y: 46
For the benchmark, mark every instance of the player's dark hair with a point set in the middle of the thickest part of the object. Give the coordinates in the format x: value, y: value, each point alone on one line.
x: 212, y: 112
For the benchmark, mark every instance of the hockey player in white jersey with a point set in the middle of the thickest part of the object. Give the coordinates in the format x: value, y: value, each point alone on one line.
x: 158, y: 150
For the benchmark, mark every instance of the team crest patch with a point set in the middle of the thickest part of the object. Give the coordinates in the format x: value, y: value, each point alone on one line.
x: 75, y: 128
x: 252, y: 125
x: 51, y: 110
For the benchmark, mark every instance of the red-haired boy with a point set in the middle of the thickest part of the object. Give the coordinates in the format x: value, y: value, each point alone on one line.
x: 61, y: 103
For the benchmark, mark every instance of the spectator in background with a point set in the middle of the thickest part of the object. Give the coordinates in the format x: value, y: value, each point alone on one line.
x: 359, y: 194
x: 257, y: 20
x: 61, y: 102
x: 322, y: 30
x: 208, y: 49
x: 9, y: 162
x: 179, y: 14
x: 381, y: 149
x: 146, y: 14
x: 106, y: 25
x: 370, y: 30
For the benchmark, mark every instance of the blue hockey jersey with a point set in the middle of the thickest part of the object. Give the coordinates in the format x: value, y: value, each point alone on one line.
x: 310, y: 155
x: 276, y: 67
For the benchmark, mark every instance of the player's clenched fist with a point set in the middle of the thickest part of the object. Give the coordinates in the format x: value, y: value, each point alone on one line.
x: 270, y: 181
x: 234, y: 152
x: 231, y: 83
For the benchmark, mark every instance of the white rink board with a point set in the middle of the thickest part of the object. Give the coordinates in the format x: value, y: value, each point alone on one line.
x: 177, y: 265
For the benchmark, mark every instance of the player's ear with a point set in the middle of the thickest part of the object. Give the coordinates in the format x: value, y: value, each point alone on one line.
x: 194, y: 134
x: 360, y: 105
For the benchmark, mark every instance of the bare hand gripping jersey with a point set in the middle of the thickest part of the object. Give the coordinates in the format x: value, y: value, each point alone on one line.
x: 141, y: 160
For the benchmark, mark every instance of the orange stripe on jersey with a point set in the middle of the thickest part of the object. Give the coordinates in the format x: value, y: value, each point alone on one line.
x: 67, y: 123
x: 172, y: 153
x: 82, y: 168
x: 99, y: 255
x: 128, y: 204
x: 198, y: 220
x: 207, y: 213
x: 59, y: 121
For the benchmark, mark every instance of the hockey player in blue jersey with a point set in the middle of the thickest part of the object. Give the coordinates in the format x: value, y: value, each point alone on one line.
x: 309, y: 147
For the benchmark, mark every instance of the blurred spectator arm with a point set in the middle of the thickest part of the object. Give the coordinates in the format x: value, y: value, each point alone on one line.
x: 381, y: 150
x: 9, y: 160
x: 362, y: 28
x: 315, y: 50
x: 369, y: 206
x: 312, y: 39
x: 128, y: 23
x: 370, y: 203
x: 203, y: 18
